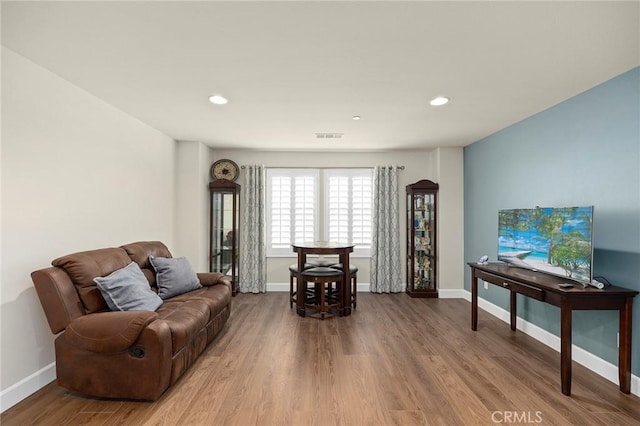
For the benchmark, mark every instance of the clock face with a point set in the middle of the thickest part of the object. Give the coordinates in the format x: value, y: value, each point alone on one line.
x: 224, y: 169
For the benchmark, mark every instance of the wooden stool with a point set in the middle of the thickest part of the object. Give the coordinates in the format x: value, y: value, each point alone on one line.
x: 353, y: 272
x: 321, y: 276
x: 293, y: 273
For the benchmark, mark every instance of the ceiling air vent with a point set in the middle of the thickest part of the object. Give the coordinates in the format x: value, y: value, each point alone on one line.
x: 329, y: 135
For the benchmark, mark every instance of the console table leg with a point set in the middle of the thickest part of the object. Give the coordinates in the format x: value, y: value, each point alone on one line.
x: 513, y: 309
x: 565, y: 347
x: 474, y: 301
x: 624, y: 351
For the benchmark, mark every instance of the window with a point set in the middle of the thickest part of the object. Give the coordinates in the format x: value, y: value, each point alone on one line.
x: 348, y: 207
x: 292, y: 200
x: 299, y: 210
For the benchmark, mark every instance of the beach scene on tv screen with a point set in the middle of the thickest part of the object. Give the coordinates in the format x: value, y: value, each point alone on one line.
x: 556, y: 240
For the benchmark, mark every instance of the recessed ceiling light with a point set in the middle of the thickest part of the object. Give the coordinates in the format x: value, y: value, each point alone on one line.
x: 218, y: 99
x: 439, y: 101
x: 356, y: 117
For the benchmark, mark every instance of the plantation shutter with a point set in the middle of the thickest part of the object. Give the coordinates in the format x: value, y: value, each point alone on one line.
x: 280, y: 211
x: 305, y: 208
x: 292, y: 205
x: 338, y: 208
x: 348, y: 195
x: 361, y: 210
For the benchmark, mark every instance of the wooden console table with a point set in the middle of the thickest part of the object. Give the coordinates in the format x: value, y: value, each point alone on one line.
x: 545, y: 287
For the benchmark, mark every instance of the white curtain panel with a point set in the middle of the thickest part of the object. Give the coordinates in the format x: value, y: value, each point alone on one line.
x: 385, y: 246
x: 253, y: 260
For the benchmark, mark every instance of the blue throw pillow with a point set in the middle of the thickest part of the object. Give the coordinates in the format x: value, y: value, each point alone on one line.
x: 174, y: 276
x: 127, y: 289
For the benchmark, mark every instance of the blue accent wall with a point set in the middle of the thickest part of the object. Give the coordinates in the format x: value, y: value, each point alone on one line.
x: 583, y: 151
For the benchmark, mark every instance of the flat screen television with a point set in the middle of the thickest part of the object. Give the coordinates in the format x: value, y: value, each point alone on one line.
x: 555, y: 240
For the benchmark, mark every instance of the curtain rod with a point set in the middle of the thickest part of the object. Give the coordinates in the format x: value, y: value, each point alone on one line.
x: 308, y: 167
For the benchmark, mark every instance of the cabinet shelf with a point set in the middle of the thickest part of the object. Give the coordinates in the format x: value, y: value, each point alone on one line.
x: 421, y: 241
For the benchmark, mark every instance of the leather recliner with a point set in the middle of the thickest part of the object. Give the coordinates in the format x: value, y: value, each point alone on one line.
x: 126, y: 354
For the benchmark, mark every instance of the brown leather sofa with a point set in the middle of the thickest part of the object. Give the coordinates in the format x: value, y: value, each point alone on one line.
x: 126, y: 354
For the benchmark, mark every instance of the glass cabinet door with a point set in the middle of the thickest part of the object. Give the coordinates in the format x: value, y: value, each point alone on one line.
x: 222, y: 233
x: 224, y: 224
x: 421, y: 239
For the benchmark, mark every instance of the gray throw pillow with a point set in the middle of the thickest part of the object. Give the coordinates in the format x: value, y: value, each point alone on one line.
x: 127, y: 289
x: 174, y: 276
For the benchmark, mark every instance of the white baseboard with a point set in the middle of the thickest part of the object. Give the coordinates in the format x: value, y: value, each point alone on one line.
x: 364, y: 287
x: 27, y: 386
x: 276, y: 287
x: 596, y: 364
x: 450, y: 293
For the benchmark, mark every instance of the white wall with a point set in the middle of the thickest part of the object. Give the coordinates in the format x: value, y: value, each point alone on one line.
x: 192, y: 203
x: 77, y: 174
x: 449, y: 164
x: 443, y: 166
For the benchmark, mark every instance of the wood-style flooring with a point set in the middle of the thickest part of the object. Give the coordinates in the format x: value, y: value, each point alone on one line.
x: 394, y: 361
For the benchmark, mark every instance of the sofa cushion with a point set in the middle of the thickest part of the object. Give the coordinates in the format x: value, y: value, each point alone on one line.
x: 185, y: 317
x: 84, y: 266
x: 215, y: 297
x: 127, y: 289
x: 174, y: 276
x: 140, y: 251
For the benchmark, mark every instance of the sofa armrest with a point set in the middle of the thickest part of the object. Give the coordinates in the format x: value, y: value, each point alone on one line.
x: 108, y: 332
x: 58, y: 297
x: 214, y: 278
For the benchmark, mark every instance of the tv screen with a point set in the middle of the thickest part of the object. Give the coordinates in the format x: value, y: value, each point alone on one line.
x: 556, y: 240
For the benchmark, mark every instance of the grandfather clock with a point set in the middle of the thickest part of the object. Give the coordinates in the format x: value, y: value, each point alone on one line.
x: 224, y: 221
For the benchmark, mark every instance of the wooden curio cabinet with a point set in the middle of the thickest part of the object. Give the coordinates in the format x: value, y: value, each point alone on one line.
x: 421, y: 239
x: 224, y: 223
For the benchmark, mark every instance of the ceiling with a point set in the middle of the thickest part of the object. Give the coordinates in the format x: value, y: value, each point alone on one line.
x: 293, y: 69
